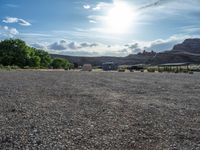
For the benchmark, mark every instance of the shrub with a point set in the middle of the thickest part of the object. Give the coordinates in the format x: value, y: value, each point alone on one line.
x: 15, y: 67
x: 8, y: 67
x: 191, y: 72
x: 121, y: 70
x: 151, y: 69
x: 59, y: 63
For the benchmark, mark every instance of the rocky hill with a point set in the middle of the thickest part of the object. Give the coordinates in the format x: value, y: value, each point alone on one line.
x: 189, y: 45
x: 188, y: 51
x: 140, y: 58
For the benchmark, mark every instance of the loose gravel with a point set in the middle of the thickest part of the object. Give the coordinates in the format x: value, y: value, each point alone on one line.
x: 99, y: 110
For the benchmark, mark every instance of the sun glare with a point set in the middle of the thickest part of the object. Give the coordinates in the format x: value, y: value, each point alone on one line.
x: 119, y: 18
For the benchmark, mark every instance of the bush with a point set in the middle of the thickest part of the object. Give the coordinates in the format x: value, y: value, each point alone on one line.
x: 59, y: 63
x: 8, y: 67
x: 151, y: 69
x: 15, y: 67
x: 161, y: 70
x: 121, y: 70
x: 1, y: 66
x: 191, y: 72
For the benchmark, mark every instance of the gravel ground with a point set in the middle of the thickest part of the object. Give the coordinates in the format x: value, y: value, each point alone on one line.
x: 99, y: 110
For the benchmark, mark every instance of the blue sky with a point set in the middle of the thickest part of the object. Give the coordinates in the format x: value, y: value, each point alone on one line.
x: 100, y: 27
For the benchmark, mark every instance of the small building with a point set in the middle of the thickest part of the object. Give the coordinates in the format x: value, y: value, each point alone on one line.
x: 87, y: 67
x: 174, y: 66
x: 109, y: 66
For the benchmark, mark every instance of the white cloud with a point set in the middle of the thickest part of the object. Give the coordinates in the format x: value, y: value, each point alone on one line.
x: 190, y: 29
x: 13, y: 31
x: 159, y: 45
x: 16, y: 20
x: 86, y: 6
x: 42, y: 46
x: 73, y: 46
x: 101, y: 49
x: 61, y: 45
x: 92, y: 21
x: 102, y: 6
x: 8, y: 32
x: 70, y: 45
x: 10, y: 20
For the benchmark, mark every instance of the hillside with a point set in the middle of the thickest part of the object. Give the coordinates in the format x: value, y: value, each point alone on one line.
x: 189, y: 45
x: 188, y: 51
x: 97, y: 61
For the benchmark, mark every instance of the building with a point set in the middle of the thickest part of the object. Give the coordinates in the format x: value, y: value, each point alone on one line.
x: 109, y: 66
x: 174, y: 66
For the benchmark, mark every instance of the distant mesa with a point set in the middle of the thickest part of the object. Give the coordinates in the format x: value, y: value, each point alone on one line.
x: 189, y: 45
x: 188, y: 51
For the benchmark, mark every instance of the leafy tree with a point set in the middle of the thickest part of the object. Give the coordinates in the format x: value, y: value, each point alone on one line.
x: 59, y: 63
x: 34, y: 61
x: 45, y: 59
x: 15, y: 52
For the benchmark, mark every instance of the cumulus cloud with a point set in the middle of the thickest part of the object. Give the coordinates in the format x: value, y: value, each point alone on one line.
x: 16, y: 20
x: 160, y: 45
x: 65, y: 45
x: 8, y: 32
x: 78, y: 53
x: 73, y: 45
x: 99, y: 49
x: 13, y: 31
x: 133, y: 48
x: 61, y: 45
x: 83, y: 45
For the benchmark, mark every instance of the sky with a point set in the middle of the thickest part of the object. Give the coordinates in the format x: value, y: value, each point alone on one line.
x: 100, y: 27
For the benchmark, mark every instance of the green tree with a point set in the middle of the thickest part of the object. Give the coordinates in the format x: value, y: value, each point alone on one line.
x: 59, y: 63
x: 45, y: 59
x: 15, y: 52
x: 34, y: 61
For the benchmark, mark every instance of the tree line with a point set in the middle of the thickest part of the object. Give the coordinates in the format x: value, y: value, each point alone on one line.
x: 15, y: 52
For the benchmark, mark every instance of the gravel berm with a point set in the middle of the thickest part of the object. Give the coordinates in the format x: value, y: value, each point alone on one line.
x: 99, y: 110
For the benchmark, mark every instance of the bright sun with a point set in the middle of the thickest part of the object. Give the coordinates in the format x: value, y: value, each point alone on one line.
x: 119, y: 18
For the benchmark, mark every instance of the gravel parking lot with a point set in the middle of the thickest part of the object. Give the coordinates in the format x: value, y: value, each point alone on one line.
x: 99, y: 110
